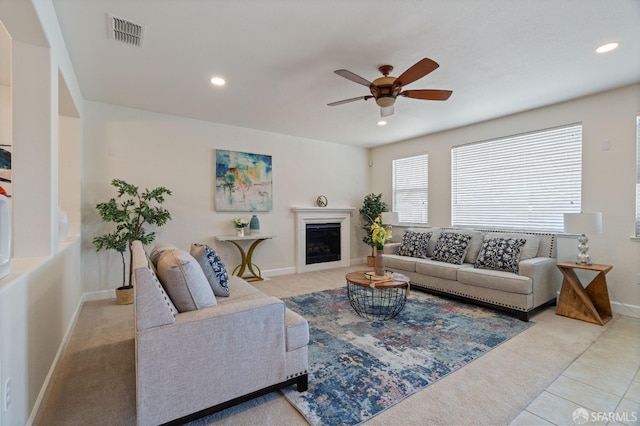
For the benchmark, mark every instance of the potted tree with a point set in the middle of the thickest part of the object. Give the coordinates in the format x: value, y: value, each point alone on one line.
x: 130, y: 211
x: 372, y: 207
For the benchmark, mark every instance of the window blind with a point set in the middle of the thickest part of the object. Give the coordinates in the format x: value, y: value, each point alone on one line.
x: 638, y: 176
x: 411, y: 189
x: 524, y: 181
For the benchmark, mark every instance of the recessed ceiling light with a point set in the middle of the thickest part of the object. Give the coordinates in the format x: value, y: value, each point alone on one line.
x: 607, y: 47
x: 382, y: 123
x: 218, y: 81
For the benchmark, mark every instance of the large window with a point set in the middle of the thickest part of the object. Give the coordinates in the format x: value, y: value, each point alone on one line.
x: 411, y: 189
x: 525, y: 181
x: 638, y: 176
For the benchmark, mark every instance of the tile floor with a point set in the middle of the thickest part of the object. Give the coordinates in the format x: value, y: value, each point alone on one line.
x: 600, y: 387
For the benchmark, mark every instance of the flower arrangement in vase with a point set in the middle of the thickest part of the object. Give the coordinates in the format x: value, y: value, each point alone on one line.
x: 372, y: 207
x: 240, y: 223
x: 379, y: 236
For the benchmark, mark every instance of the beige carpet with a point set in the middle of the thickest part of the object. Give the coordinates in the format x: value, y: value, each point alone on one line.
x: 94, y: 381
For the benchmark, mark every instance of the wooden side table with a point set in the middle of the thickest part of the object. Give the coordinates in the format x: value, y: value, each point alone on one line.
x: 590, y: 303
x: 246, y: 261
x: 377, y: 299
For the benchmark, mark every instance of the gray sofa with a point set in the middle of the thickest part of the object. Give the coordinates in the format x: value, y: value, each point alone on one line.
x: 220, y: 353
x: 532, y: 284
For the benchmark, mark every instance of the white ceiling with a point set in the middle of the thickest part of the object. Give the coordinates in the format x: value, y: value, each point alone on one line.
x: 498, y: 56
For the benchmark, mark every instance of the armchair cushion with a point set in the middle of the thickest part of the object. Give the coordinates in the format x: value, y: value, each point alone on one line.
x: 183, y: 279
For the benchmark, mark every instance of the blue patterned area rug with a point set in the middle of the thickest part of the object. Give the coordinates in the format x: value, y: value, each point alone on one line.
x: 359, y: 368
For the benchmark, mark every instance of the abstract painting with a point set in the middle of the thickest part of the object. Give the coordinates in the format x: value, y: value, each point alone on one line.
x: 5, y: 170
x: 243, y: 182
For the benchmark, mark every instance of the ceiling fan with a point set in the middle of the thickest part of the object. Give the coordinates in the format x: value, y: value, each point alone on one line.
x: 386, y: 89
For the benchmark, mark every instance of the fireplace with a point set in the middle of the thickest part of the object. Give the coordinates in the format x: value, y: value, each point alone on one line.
x: 317, y: 217
x: 322, y: 243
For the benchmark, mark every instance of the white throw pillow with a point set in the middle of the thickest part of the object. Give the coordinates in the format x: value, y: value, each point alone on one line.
x: 183, y: 280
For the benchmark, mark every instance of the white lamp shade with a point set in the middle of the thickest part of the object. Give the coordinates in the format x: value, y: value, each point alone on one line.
x: 583, y: 223
x: 389, y: 218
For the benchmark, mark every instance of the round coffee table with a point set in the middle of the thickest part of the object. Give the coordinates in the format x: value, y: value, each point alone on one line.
x: 377, y: 298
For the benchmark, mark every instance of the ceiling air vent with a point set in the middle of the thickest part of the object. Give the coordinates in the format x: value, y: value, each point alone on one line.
x: 125, y: 31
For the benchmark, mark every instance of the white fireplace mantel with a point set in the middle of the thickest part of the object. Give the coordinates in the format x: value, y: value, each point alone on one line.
x: 305, y: 215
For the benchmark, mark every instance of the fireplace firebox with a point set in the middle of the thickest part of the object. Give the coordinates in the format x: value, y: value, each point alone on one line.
x: 322, y: 242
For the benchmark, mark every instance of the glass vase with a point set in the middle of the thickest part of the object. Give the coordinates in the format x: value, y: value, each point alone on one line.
x: 254, y: 225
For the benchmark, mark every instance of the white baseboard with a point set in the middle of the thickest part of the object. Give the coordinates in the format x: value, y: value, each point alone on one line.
x: 96, y: 295
x: 61, y: 348
x: 99, y: 295
x: 280, y: 271
x: 624, y: 309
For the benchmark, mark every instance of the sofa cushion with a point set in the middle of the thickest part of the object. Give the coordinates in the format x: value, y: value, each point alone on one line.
x: 213, y: 268
x: 435, y: 233
x: 297, y: 334
x: 451, y: 247
x: 414, y: 244
x: 239, y: 289
x: 395, y: 261
x: 502, y: 254
x: 530, y: 248
x: 184, y: 281
x: 433, y: 268
x: 158, y: 249
x: 496, y: 280
x: 477, y: 238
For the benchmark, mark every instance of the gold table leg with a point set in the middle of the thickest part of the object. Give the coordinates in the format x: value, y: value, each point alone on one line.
x: 247, y: 262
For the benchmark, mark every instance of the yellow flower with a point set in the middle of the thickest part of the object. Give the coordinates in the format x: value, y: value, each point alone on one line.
x: 379, y: 234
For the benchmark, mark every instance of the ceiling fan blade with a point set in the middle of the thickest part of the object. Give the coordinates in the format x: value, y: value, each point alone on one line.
x: 386, y: 111
x: 427, y: 94
x: 353, y: 77
x: 416, y: 71
x: 346, y: 101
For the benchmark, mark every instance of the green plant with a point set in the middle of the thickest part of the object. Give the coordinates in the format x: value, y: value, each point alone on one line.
x: 372, y: 207
x: 130, y: 210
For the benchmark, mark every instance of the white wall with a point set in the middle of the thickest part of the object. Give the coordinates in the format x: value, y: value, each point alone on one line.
x: 150, y: 150
x: 39, y: 301
x: 608, y: 183
x: 40, y: 298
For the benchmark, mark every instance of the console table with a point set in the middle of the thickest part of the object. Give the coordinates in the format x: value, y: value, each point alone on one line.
x: 590, y: 303
x: 246, y: 263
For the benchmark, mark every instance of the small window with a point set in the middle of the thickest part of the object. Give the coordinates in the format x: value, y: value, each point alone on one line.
x: 524, y: 181
x: 411, y: 189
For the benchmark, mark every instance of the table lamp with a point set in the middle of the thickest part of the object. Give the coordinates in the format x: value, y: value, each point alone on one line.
x: 582, y: 224
x: 389, y: 218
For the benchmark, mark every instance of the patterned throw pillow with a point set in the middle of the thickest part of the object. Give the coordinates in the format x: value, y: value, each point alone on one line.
x: 451, y: 247
x: 414, y: 244
x: 213, y: 268
x: 501, y: 254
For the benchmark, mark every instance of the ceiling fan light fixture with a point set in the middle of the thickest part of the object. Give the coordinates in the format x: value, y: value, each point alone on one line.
x: 386, y: 101
x: 608, y: 47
